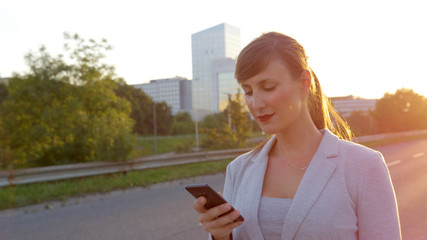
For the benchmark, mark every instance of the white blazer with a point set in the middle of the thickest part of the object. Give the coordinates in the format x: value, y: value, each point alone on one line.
x: 346, y: 193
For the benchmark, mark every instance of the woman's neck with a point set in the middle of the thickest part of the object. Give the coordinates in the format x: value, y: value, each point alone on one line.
x: 303, y: 138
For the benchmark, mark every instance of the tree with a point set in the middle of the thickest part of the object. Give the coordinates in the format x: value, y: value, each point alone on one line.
x: 214, y: 120
x: 361, y: 123
x: 142, y: 108
x: 219, y: 138
x: 142, y: 111
x: 3, y: 92
x: 402, y: 111
x: 228, y: 129
x: 163, y: 118
x: 62, y: 112
x: 240, y: 120
x: 182, y: 124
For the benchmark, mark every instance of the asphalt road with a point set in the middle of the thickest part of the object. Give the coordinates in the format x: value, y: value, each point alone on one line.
x: 164, y: 211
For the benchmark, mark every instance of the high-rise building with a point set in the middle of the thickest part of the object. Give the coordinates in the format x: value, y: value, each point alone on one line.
x: 348, y: 104
x: 176, y: 92
x: 214, y: 51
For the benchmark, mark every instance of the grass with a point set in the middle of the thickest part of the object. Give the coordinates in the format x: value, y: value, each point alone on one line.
x: 23, y: 195
x: 145, y: 146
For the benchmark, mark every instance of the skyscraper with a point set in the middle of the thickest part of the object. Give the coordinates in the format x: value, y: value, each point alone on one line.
x: 214, y: 51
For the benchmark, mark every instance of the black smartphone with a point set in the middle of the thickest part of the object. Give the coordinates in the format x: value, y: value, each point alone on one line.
x: 213, y: 199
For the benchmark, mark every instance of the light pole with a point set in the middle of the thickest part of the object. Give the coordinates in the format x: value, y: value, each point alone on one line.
x: 196, y: 118
x: 229, y: 109
x: 155, y: 127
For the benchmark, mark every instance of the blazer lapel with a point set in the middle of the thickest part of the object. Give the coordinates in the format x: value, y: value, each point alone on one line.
x: 312, y: 184
x: 254, y: 177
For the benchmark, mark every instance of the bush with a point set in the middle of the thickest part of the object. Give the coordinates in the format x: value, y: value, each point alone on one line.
x: 185, y: 146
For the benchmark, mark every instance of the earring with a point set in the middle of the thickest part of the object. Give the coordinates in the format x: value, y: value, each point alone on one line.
x: 290, y: 107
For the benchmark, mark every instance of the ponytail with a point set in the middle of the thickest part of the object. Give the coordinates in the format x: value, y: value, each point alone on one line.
x: 323, y: 113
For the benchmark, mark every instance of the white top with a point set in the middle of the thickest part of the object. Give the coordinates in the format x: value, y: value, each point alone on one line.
x: 345, y: 193
x: 271, y: 216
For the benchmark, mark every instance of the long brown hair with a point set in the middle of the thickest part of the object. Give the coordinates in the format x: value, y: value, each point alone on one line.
x: 255, y: 57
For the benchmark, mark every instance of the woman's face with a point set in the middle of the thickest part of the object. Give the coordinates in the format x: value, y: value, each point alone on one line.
x: 274, y: 97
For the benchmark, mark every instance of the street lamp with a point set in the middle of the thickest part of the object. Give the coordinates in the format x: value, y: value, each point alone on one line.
x: 196, y: 118
x: 155, y: 127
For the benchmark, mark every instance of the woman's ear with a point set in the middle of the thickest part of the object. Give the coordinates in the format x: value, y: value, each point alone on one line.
x: 305, y: 82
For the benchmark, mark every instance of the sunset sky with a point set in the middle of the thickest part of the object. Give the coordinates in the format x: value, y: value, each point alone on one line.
x: 363, y: 48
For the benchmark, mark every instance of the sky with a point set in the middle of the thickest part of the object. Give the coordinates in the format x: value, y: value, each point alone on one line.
x: 362, y: 48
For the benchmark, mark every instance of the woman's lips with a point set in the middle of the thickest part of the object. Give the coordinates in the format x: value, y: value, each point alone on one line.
x: 265, y: 118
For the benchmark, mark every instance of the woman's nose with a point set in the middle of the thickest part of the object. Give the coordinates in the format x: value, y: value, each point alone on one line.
x: 257, y: 102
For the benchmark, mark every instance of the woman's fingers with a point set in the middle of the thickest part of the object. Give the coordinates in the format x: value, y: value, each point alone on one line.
x: 224, y: 231
x: 209, y: 218
x: 223, y: 226
x: 223, y: 220
x: 199, y: 204
x: 213, y: 213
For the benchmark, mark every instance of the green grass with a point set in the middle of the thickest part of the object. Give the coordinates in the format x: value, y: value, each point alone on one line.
x: 145, y: 146
x: 22, y: 195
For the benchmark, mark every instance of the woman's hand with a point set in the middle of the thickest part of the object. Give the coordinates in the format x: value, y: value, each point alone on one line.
x: 219, y: 227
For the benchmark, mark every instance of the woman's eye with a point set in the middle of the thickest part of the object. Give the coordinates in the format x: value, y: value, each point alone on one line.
x: 248, y: 93
x: 269, y: 89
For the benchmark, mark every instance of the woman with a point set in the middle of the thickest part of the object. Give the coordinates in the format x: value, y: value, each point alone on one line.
x: 307, y: 181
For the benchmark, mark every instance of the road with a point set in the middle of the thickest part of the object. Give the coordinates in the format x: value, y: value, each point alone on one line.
x: 408, y: 169
x: 164, y: 211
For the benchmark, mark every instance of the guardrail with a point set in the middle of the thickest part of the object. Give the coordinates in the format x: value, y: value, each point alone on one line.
x: 378, y: 137
x: 31, y: 175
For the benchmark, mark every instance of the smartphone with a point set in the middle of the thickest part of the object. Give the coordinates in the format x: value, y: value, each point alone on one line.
x: 213, y: 199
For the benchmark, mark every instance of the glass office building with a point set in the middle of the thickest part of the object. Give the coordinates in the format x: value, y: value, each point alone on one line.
x: 176, y: 92
x: 348, y: 104
x: 214, y: 51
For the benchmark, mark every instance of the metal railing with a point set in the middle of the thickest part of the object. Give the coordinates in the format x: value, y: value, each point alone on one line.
x: 31, y: 175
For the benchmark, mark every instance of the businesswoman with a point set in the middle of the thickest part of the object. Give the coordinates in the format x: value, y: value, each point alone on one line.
x: 307, y: 181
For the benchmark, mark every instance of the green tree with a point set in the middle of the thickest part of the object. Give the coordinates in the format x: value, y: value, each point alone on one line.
x: 62, y: 112
x: 228, y: 129
x: 215, y: 120
x: 163, y: 118
x: 3, y: 92
x: 142, y: 111
x: 219, y: 138
x: 142, y: 108
x: 361, y: 123
x: 240, y: 120
x: 402, y: 111
x: 182, y: 124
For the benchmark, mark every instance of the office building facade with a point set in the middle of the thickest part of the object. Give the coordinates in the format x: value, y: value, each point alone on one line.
x: 346, y: 105
x: 176, y: 92
x: 214, y: 51
x: 4, y: 81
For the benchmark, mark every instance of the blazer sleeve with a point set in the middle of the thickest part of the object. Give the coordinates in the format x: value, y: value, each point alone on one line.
x: 227, y: 192
x: 228, y: 185
x: 378, y: 216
